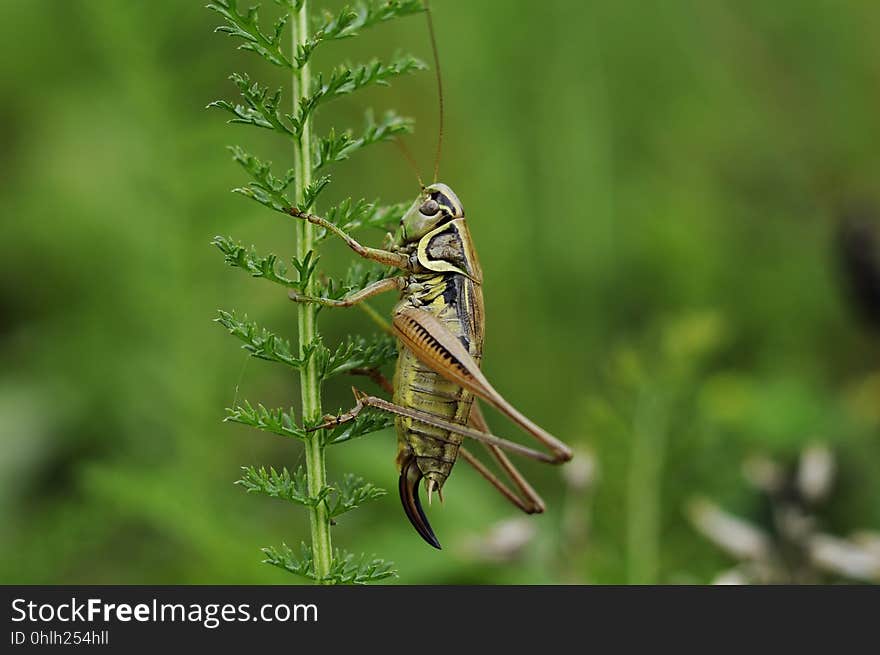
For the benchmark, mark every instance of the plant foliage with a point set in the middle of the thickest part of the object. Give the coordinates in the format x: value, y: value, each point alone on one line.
x: 300, y: 188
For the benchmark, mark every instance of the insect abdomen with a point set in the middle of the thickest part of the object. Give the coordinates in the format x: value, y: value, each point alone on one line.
x: 455, y: 301
x: 422, y: 389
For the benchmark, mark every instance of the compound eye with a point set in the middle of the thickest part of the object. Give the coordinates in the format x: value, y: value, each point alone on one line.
x: 429, y: 207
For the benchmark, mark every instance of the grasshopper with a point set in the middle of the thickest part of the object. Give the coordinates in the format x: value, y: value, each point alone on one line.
x: 439, y: 325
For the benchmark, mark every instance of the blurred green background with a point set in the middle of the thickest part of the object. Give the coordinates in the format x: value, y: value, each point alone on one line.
x: 654, y: 187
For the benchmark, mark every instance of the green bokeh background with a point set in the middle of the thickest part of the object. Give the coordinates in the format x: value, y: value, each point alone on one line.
x: 653, y: 188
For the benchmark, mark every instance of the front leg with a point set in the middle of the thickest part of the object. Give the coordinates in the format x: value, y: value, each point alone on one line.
x: 386, y: 257
x: 388, y: 284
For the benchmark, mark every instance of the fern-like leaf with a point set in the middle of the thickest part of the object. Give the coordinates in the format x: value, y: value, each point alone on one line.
x: 359, y: 275
x: 266, y: 266
x: 351, y: 493
x: 349, y: 21
x: 366, y: 423
x: 266, y: 189
x: 312, y: 191
x: 350, y: 569
x: 346, y: 79
x: 260, y: 108
x: 293, y: 487
x: 345, y: 569
x: 331, y: 27
x: 260, y: 342
x: 335, y: 148
x: 284, y: 558
x: 353, y: 215
x: 356, y: 353
x: 246, y: 26
x: 276, y: 421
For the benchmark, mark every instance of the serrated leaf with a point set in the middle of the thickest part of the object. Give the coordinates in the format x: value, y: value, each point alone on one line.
x: 260, y: 342
x: 348, y: 79
x: 345, y: 568
x: 263, y: 266
x: 350, y: 569
x: 284, y: 485
x: 276, y: 421
x: 360, y: 274
x: 356, y: 353
x: 330, y: 27
x: 348, y: 21
x: 349, y: 494
x: 284, y: 558
x: 312, y: 191
x: 372, y: 13
x: 246, y: 26
x: 331, y: 148
x: 305, y: 268
x: 353, y: 215
x: 366, y: 423
x: 260, y: 108
x: 267, y: 189
x: 335, y: 148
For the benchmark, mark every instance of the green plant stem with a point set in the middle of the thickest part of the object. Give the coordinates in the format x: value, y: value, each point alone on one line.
x: 306, y: 317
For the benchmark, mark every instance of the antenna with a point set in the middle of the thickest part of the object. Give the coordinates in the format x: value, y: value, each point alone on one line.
x: 439, y: 88
x: 410, y: 160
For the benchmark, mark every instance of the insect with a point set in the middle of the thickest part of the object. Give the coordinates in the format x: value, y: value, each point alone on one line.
x: 439, y: 326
